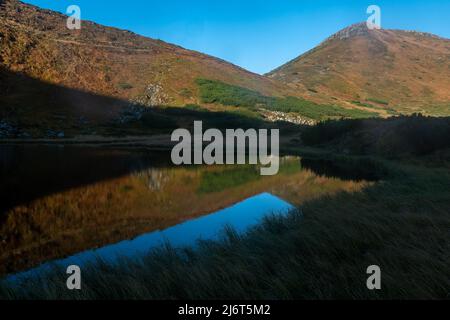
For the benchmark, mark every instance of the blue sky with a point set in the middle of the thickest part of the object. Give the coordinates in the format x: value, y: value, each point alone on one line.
x: 258, y: 35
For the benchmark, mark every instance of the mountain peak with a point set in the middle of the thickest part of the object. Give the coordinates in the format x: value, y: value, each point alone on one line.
x: 357, y: 29
x: 403, y: 69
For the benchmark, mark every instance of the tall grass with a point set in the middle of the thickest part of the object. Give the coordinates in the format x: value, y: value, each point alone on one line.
x: 320, y: 252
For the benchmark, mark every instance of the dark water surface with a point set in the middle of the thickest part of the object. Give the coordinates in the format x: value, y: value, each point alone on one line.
x: 74, y: 204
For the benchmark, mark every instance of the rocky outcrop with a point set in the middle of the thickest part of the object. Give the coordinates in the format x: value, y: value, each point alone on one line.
x: 153, y: 96
x: 132, y: 112
x: 359, y: 29
x: 275, y: 116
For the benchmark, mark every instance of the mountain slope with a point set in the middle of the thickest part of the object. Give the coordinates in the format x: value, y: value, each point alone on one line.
x: 377, y: 69
x: 107, y: 62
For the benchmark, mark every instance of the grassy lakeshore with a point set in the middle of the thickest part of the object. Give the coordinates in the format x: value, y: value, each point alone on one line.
x: 401, y: 224
x: 319, y: 251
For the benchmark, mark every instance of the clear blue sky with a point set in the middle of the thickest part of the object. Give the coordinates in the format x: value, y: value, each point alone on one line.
x: 258, y: 35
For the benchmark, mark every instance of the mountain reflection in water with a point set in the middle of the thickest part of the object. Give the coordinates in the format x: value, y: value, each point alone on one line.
x: 63, y: 201
x: 239, y: 217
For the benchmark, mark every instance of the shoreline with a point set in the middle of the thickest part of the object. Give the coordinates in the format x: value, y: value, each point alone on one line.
x: 161, y: 141
x: 156, y: 142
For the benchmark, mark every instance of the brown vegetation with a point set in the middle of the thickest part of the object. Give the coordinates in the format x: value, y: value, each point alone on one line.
x: 393, y: 70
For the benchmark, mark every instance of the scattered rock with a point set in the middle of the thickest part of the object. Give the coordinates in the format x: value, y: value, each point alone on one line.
x: 275, y: 116
x: 24, y: 135
x: 7, y: 130
x: 55, y: 134
x: 154, y: 96
x: 131, y: 113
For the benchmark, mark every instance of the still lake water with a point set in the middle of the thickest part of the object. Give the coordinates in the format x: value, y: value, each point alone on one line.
x: 71, y: 205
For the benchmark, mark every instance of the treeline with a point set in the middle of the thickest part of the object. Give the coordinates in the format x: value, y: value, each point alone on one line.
x: 408, y: 135
x: 212, y: 91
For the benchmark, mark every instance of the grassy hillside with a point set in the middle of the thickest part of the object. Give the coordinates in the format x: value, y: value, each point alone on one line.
x: 30, y: 108
x: 212, y: 91
x: 99, y: 61
x: 395, y: 70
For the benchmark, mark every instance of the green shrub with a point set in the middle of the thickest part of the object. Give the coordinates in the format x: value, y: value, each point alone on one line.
x: 212, y: 91
x: 186, y: 93
x: 216, y: 181
x: 125, y: 86
x: 379, y: 101
x: 194, y: 107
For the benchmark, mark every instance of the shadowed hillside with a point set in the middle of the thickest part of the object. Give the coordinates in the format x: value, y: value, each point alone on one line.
x: 395, y: 137
x: 356, y: 73
x: 110, y: 61
x: 30, y: 108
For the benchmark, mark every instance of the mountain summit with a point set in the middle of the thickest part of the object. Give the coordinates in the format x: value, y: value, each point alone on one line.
x: 355, y: 30
x: 407, y: 70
